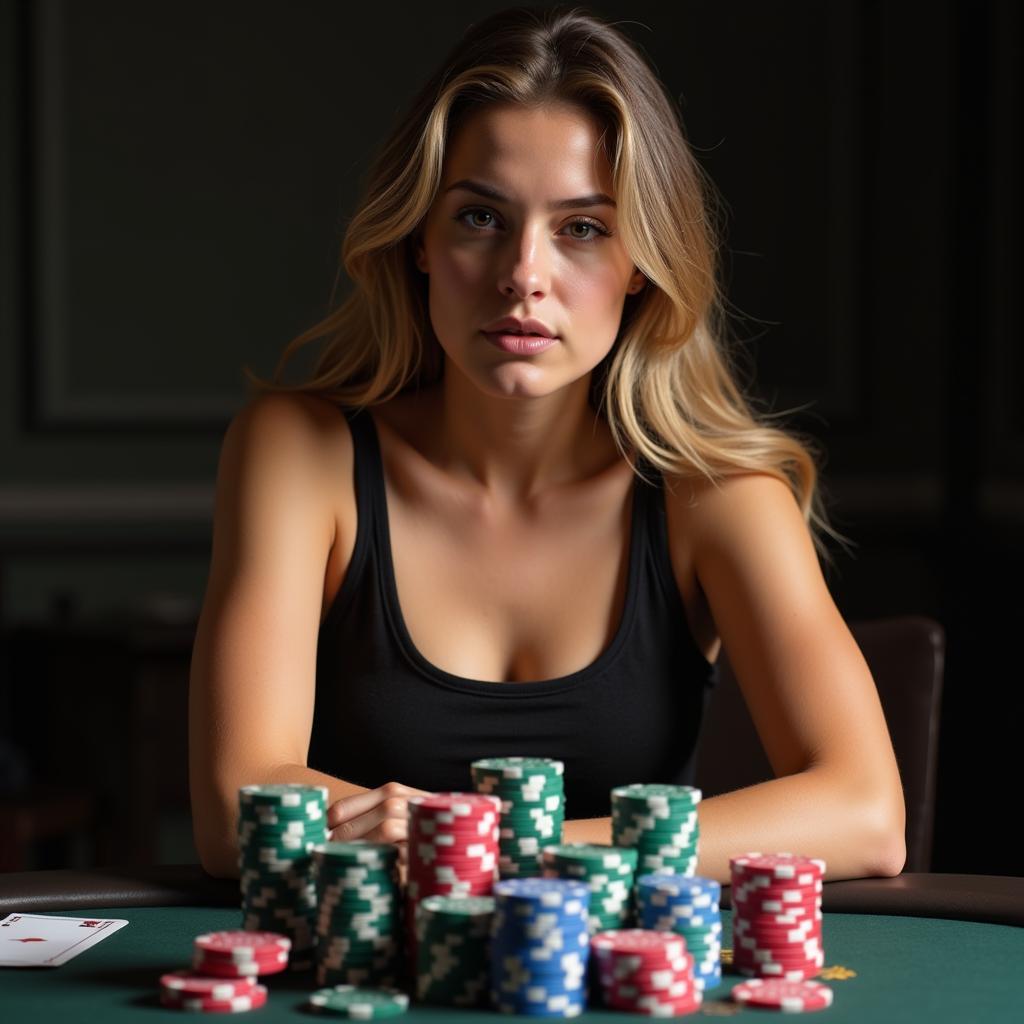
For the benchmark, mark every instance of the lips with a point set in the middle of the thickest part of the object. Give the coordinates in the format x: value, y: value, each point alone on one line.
x: 513, y: 325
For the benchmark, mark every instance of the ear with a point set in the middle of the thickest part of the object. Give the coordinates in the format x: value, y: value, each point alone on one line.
x: 419, y: 252
x: 636, y: 282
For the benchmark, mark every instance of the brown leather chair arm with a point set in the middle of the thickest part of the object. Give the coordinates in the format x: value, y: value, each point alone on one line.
x: 998, y: 899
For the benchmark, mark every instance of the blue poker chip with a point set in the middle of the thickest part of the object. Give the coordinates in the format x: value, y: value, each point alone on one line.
x: 545, y: 892
x: 680, y: 885
x: 540, y: 946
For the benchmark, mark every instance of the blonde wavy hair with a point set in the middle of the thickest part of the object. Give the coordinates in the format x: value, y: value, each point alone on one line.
x: 667, y: 388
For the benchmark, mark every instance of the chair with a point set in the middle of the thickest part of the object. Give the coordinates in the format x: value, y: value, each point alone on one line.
x: 906, y: 655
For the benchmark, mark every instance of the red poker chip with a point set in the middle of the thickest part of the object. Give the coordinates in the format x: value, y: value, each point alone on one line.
x: 648, y: 983
x: 436, y: 878
x: 483, y: 833
x: 675, y: 988
x: 453, y: 858
x: 766, y: 940
x: 808, y: 926
x: 242, y: 958
x: 771, y: 924
x: 798, y: 996
x: 242, y: 944
x: 773, y: 947
x: 764, y: 884
x: 461, y: 805
x: 777, y: 955
x: 757, y: 895
x: 757, y: 958
x: 638, y: 942
x: 789, y: 975
x: 251, y: 1000
x: 191, y: 983
x: 657, y: 1007
x: 779, y: 968
x: 752, y: 912
x: 489, y: 835
x: 442, y: 855
x: 808, y: 947
x: 227, y: 969
x: 776, y: 865
x: 620, y: 967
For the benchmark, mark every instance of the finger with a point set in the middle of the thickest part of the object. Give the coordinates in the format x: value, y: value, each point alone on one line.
x: 350, y: 807
x: 391, y: 830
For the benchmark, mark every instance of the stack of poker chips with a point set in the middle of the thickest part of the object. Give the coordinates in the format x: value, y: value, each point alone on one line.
x: 358, y: 928
x: 532, y: 794
x: 278, y: 826
x: 183, y: 990
x: 240, y: 954
x: 359, y: 1003
x: 776, y: 915
x: 607, y: 872
x: 660, y: 821
x: 453, y: 950
x: 452, y: 849
x: 646, y: 972
x: 689, y: 907
x: 540, y: 947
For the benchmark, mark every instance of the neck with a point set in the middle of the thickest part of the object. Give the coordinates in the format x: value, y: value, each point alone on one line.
x: 516, y: 450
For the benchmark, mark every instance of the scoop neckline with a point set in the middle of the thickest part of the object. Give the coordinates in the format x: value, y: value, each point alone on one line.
x: 532, y: 687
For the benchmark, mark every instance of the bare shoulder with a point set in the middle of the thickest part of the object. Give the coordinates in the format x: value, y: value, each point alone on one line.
x: 282, y: 444
x: 725, y: 511
x: 295, y: 417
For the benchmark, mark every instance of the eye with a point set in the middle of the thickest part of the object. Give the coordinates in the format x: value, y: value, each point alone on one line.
x: 586, y: 222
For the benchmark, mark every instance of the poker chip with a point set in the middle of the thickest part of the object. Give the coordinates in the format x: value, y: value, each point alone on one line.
x: 359, y: 1003
x: 660, y: 822
x: 645, y: 971
x: 688, y: 907
x: 189, y: 983
x: 453, y: 947
x: 540, y: 946
x: 608, y: 873
x: 777, y: 918
x: 252, y: 999
x: 242, y: 945
x: 790, y: 997
x: 452, y: 850
x: 779, y: 867
x: 532, y: 795
x: 278, y: 827
x: 359, y: 913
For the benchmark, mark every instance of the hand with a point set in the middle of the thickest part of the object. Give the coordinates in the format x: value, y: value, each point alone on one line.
x: 378, y: 815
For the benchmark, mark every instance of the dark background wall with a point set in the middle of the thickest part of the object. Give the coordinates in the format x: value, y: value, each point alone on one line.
x: 174, y: 182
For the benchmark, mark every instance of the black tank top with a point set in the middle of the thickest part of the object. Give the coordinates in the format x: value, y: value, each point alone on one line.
x: 384, y: 713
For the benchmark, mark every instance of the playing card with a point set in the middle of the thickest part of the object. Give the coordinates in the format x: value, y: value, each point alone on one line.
x: 41, y: 940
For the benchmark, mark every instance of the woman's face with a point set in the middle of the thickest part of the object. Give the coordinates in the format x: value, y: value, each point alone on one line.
x: 519, y: 255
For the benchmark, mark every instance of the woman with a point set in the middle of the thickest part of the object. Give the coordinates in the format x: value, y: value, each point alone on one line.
x: 453, y: 543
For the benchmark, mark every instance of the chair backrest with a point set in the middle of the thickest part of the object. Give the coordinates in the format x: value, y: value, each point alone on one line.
x: 906, y: 655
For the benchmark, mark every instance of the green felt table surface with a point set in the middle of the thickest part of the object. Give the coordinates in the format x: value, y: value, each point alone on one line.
x: 907, y: 969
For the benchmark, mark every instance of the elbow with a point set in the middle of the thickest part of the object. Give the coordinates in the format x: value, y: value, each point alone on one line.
x: 216, y: 858
x: 213, y: 834
x: 886, y: 824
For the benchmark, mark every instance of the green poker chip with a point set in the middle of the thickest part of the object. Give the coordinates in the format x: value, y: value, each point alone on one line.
x: 516, y: 768
x: 360, y: 1003
x: 282, y: 795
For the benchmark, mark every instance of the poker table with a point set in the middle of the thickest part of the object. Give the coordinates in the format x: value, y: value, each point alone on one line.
x: 918, y: 947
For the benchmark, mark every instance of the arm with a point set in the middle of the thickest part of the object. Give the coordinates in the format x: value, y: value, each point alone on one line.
x: 252, y: 680
x: 838, y: 793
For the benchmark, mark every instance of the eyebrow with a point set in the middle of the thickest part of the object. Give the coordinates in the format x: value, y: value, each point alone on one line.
x: 490, y: 192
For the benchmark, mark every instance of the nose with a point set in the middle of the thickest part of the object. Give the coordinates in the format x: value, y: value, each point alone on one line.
x: 528, y: 271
